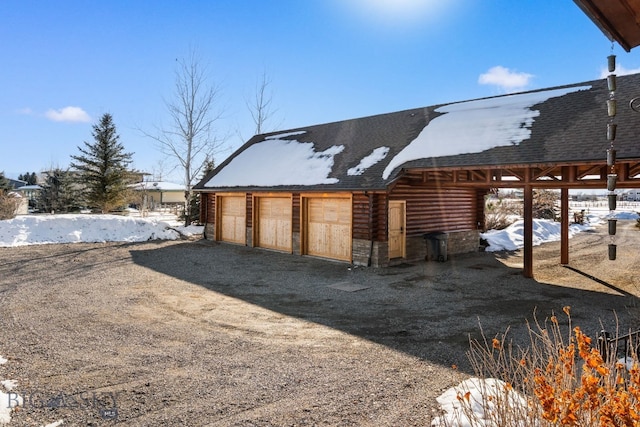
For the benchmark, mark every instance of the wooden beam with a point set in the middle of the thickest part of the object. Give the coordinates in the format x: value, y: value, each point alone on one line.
x: 593, y: 170
x: 521, y: 176
x: 623, y: 172
x: 548, y: 172
x: 528, y: 232
x: 569, y: 173
x: 480, y: 175
x: 564, y: 226
x: 634, y: 170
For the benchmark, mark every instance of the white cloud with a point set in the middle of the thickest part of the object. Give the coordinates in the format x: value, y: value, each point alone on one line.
x: 620, y: 71
x: 506, y: 79
x: 68, y: 114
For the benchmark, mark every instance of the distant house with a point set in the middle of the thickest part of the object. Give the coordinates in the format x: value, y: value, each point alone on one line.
x: 30, y: 193
x: 368, y: 190
x: 16, y: 183
x: 154, y: 194
x: 631, y: 195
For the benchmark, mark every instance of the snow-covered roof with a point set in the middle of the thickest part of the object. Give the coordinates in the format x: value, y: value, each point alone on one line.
x: 29, y: 187
x: 157, y: 186
x: 550, y: 126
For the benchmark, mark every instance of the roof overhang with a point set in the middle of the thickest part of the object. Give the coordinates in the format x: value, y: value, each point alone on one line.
x: 619, y: 20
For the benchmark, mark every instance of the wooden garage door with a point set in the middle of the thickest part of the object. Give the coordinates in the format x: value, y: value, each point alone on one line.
x: 328, y: 228
x: 233, y: 223
x: 274, y: 223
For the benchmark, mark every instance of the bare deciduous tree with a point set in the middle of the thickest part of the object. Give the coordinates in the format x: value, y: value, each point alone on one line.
x: 261, y: 105
x: 194, y: 110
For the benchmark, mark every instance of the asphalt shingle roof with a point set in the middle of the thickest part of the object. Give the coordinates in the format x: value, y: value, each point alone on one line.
x: 567, y: 128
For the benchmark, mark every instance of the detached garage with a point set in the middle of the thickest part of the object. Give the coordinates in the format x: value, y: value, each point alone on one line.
x: 369, y: 190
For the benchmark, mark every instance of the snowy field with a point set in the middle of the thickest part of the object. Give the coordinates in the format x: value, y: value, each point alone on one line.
x: 596, y: 213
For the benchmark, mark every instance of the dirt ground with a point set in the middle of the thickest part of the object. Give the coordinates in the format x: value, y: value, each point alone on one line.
x: 194, y: 333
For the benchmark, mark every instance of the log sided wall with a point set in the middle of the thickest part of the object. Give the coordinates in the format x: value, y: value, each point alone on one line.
x: 208, y: 214
x: 459, y: 212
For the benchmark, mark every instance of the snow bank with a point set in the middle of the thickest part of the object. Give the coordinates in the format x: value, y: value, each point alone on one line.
x: 46, y: 229
x: 512, y: 237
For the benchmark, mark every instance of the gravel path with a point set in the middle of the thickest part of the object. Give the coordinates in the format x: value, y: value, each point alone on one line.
x: 203, y: 334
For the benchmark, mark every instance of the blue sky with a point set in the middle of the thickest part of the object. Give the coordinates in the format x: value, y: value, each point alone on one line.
x: 65, y: 63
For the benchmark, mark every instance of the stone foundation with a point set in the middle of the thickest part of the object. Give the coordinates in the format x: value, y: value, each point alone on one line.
x: 458, y: 242
x: 295, y: 243
x: 463, y: 242
x: 249, y: 239
x: 210, y: 231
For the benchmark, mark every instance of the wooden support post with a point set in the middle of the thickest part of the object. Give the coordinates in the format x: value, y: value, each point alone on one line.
x: 564, y: 226
x: 528, y: 231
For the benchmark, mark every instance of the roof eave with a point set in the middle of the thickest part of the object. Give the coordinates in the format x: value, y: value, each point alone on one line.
x: 599, y: 18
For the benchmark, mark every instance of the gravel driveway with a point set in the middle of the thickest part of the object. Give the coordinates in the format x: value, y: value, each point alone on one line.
x: 195, y: 333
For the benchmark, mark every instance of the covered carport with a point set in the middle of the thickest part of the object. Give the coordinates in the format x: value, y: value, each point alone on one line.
x: 565, y: 177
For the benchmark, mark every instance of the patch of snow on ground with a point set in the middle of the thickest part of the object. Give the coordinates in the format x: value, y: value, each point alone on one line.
x: 190, y: 230
x: 481, y: 397
x: 275, y: 162
x: 8, y: 385
x: 475, y: 126
x: 8, y: 401
x: 2, y: 360
x: 56, y: 424
x: 624, y: 215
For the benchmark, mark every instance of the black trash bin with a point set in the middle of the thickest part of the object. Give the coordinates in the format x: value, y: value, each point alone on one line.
x: 437, y: 246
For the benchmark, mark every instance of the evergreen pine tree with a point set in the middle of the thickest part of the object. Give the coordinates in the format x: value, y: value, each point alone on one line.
x: 4, y: 184
x: 207, y: 167
x: 102, y: 167
x: 59, y: 193
x: 29, y: 178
